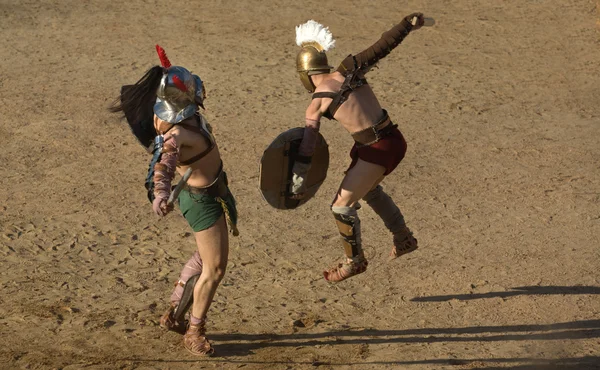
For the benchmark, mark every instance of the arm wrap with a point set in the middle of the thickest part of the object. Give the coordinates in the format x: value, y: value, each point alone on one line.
x: 388, y: 41
x: 164, y: 171
x: 303, y: 159
x: 309, y: 141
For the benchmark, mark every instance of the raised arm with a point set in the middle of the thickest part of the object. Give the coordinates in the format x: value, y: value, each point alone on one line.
x: 388, y: 41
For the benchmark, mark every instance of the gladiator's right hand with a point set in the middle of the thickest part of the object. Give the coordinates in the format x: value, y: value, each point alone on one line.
x: 417, y: 20
x: 161, y: 207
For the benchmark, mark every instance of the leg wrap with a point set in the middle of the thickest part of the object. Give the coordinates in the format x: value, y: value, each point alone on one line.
x: 192, y: 267
x: 386, y: 209
x: 349, y: 226
x: 384, y: 206
x: 187, y: 298
x: 182, y: 296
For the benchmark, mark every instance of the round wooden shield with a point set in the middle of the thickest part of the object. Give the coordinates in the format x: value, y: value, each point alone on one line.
x: 276, y: 169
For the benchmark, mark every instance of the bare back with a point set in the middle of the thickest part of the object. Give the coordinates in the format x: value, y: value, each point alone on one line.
x: 359, y: 112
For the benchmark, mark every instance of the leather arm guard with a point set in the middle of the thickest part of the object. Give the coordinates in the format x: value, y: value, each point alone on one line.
x: 370, y: 56
x: 309, y: 141
x: 303, y: 159
x: 156, y: 155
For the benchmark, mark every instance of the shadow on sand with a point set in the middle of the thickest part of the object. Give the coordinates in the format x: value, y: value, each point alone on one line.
x: 522, y: 290
x: 243, y: 344
x: 239, y: 345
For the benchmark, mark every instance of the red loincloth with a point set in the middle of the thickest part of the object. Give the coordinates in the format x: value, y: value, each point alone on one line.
x: 387, y: 152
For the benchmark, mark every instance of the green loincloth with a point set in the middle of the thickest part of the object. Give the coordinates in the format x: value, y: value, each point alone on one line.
x: 202, y: 210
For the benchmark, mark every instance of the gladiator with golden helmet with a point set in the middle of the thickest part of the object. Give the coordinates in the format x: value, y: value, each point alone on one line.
x: 343, y: 94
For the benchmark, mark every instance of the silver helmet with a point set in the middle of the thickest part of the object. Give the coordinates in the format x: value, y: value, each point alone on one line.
x: 179, y: 94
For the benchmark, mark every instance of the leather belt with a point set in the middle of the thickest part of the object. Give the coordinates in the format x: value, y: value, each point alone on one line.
x: 217, y: 189
x: 373, y: 134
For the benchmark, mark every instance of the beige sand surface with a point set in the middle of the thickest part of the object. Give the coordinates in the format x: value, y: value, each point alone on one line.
x: 499, y: 103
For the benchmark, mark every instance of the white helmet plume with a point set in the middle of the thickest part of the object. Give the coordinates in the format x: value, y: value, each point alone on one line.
x: 313, y: 32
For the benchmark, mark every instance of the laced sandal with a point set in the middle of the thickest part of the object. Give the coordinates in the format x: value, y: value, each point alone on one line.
x: 403, y: 244
x: 167, y: 321
x: 345, y: 269
x: 194, y: 340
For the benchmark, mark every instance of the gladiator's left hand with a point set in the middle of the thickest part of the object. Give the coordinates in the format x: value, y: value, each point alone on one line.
x: 298, y: 186
x: 161, y: 207
x: 417, y: 20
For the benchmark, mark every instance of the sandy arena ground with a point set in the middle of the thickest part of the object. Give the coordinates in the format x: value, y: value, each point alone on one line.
x: 499, y: 103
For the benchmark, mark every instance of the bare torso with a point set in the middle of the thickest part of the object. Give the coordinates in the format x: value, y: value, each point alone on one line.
x: 359, y: 112
x: 206, y: 169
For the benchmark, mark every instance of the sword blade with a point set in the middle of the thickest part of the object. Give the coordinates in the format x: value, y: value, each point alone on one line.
x: 429, y: 22
x: 179, y: 186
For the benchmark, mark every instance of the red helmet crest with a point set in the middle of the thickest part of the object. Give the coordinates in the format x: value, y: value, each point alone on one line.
x: 162, y: 55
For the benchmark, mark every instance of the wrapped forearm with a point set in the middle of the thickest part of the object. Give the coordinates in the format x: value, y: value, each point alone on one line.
x: 164, y: 171
x: 303, y: 158
x: 388, y: 41
x: 309, y: 141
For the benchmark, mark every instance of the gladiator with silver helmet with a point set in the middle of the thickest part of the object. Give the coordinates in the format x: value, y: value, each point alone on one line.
x: 162, y: 109
x: 177, y: 97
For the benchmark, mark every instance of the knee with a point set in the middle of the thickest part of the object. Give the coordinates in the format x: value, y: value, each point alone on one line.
x: 340, y: 212
x: 214, y: 273
x: 341, y: 202
x: 373, y: 194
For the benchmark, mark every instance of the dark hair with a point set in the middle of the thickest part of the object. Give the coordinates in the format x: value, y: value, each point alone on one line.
x: 135, y: 100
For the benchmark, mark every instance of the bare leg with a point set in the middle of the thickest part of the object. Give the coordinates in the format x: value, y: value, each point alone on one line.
x: 213, y: 246
x: 357, y: 182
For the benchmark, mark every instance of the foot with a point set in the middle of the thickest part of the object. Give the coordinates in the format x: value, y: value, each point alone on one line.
x: 195, y: 341
x: 345, y: 270
x: 403, y: 243
x: 168, y: 322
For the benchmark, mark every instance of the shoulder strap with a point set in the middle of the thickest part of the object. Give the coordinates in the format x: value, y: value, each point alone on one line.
x: 324, y: 94
x: 196, y: 157
x: 200, y: 130
x: 351, y: 82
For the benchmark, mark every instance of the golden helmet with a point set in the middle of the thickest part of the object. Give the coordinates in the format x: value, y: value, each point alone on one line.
x: 311, y: 60
x: 314, y: 40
